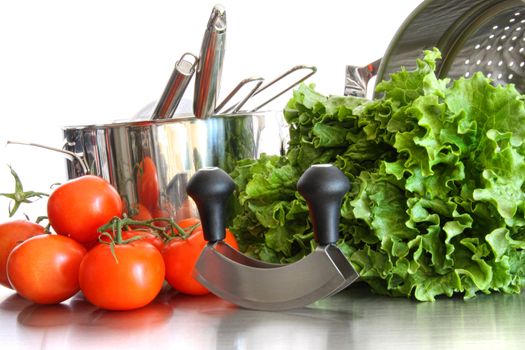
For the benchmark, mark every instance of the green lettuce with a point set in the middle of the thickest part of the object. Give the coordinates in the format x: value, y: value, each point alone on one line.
x: 437, y: 167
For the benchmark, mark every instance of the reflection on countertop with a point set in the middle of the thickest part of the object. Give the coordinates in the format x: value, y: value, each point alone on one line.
x: 352, y: 319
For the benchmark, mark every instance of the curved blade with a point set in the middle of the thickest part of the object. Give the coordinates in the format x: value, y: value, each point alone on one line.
x: 284, y: 287
x: 233, y: 254
x: 346, y: 269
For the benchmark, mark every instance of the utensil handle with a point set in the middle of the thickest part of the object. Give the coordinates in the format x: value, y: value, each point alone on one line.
x: 312, y: 70
x: 235, y: 108
x: 210, y: 189
x: 209, y: 69
x: 323, y: 186
x: 357, y: 78
x: 176, y: 86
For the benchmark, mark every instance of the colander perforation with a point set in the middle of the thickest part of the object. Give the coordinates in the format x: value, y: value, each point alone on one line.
x: 496, y: 48
x: 473, y: 35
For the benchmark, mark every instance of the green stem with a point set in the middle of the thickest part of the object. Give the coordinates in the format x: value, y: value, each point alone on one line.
x: 117, y: 224
x: 118, y: 233
x: 111, y: 244
x: 19, y: 196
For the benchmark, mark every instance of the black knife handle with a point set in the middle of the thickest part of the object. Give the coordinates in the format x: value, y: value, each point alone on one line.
x: 323, y: 186
x: 210, y: 189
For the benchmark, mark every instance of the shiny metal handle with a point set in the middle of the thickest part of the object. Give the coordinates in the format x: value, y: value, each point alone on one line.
x: 72, y: 156
x: 237, y: 106
x: 357, y: 78
x: 312, y: 70
x: 209, y: 69
x: 176, y: 86
x: 323, y: 186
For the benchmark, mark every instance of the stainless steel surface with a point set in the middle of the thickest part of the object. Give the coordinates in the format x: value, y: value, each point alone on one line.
x: 352, y: 319
x: 278, y: 288
x: 209, y: 69
x: 357, y: 78
x: 225, y: 249
x: 176, y: 86
x: 473, y: 35
x: 149, y: 162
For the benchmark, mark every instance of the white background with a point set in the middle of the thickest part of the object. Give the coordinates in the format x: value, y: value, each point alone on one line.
x: 65, y: 62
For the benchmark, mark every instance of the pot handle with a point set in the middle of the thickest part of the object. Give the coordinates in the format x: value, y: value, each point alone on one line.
x: 70, y: 155
x: 357, y: 78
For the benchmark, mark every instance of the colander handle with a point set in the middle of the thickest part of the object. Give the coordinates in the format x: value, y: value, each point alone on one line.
x: 357, y: 78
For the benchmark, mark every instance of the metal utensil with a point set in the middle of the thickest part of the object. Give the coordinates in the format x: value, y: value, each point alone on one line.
x: 209, y: 69
x: 176, y: 86
x: 311, y: 71
x: 239, y: 279
x: 237, y: 106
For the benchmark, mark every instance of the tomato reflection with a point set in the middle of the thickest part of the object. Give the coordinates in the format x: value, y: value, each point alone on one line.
x: 14, y: 303
x: 157, y: 312
x: 39, y: 315
x: 148, y: 189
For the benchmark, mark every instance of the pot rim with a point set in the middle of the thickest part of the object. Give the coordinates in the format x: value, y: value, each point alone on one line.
x: 154, y: 122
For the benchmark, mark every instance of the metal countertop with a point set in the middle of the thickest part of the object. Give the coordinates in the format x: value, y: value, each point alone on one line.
x: 352, y: 319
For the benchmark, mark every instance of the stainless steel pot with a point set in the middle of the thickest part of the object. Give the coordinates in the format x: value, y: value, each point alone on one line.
x: 150, y: 162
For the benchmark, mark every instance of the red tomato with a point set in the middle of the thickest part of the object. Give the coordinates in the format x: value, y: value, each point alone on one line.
x: 146, y: 236
x: 44, y: 268
x: 180, y: 256
x: 11, y: 234
x: 188, y: 222
x: 148, y: 184
x: 80, y: 206
x: 141, y: 213
x: 132, y: 282
x: 90, y: 245
x: 193, y: 225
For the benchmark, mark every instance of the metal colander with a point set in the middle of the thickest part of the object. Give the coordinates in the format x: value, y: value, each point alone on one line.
x: 472, y: 35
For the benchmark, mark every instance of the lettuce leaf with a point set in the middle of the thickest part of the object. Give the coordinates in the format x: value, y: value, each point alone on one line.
x: 437, y: 204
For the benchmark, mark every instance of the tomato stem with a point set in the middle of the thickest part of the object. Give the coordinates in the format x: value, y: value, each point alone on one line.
x: 20, y: 196
x: 118, y: 232
x: 116, y: 224
x: 111, y: 244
